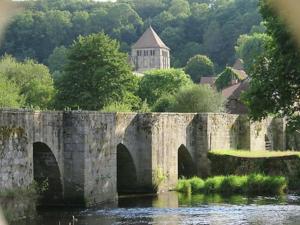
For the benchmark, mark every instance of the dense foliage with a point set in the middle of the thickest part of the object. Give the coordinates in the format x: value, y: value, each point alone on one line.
x: 198, y: 98
x: 96, y: 75
x: 9, y: 94
x: 275, y: 84
x: 225, y: 78
x: 253, y: 184
x: 199, y: 66
x: 33, y: 81
x: 188, y: 27
x: 251, y: 47
x: 192, y: 98
x: 156, y: 83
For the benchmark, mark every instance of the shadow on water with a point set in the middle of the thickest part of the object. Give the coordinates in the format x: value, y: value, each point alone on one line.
x: 173, y: 208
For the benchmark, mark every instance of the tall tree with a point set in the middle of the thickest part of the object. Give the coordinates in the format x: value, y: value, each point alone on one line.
x: 251, y: 47
x: 198, y: 66
x: 97, y: 73
x: 275, y: 83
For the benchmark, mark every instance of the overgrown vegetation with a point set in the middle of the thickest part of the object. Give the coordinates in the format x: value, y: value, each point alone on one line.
x: 199, y: 66
x: 274, y: 86
x: 255, y: 154
x: 253, y: 184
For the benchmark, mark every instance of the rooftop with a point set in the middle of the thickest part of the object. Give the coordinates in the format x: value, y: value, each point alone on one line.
x: 149, y: 39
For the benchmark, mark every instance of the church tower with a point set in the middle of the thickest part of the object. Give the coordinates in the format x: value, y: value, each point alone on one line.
x: 149, y: 52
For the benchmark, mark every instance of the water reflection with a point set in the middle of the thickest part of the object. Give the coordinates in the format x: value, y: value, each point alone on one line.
x: 172, y: 209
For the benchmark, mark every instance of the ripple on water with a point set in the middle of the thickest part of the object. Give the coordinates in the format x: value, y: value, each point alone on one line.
x: 208, y: 214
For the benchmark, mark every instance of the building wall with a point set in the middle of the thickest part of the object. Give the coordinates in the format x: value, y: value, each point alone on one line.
x: 143, y: 59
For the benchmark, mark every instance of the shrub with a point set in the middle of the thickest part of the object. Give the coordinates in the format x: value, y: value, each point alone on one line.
x: 198, y: 98
x: 213, y: 184
x: 164, y: 103
x: 233, y: 184
x: 116, y: 107
x: 197, y: 184
x: 260, y: 184
x: 156, y: 83
x: 184, y: 186
x: 254, y: 184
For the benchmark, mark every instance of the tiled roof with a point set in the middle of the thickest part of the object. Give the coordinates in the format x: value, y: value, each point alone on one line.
x: 208, y: 80
x: 149, y: 39
x: 234, y: 91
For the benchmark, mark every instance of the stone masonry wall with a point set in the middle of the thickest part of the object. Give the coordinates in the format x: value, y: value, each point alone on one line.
x: 85, y: 147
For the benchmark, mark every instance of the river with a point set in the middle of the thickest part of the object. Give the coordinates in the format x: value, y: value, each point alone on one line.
x: 174, y: 209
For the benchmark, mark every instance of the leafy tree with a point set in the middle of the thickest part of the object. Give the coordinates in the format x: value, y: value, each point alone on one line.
x: 164, y: 103
x: 33, y: 80
x: 213, y: 25
x: 97, y: 74
x: 9, y: 94
x: 197, y: 98
x: 250, y: 47
x: 58, y: 59
x: 180, y: 8
x: 156, y: 83
x: 275, y: 83
x: 198, y: 66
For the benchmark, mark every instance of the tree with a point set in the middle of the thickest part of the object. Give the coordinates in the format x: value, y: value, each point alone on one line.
x: 197, y: 98
x: 164, y: 103
x: 180, y: 8
x: 156, y: 83
x: 96, y: 74
x: 251, y: 47
x: 198, y: 66
x: 275, y: 83
x: 58, y: 59
x: 9, y: 94
x: 32, y: 79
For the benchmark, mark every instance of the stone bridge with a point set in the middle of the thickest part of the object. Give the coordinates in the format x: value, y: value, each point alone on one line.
x: 88, y: 158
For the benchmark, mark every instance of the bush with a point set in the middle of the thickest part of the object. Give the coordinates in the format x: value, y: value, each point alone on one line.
x: 260, y: 184
x: 198, y: 66
x: 254, y: 184
x: 233, y: 184
x: 213, y: 184
x: 164, y: 103
x: 156, y: 83
x: 116, y: 107
x: 198, y: 98
x: 197, y: 184
x: 184, y: 186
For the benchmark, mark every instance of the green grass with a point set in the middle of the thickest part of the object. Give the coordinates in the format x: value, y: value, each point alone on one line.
x: 255, y: 154
x: 254, y: 184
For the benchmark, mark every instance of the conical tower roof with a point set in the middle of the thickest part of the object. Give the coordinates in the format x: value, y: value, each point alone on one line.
x: 149, y: 39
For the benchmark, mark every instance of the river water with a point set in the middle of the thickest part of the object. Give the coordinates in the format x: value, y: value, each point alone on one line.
x: 174, y: 209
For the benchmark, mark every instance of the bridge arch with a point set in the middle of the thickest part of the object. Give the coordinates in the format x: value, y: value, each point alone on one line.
x: 126, y: 171
x: 47, y: 174
x: 186, y: 165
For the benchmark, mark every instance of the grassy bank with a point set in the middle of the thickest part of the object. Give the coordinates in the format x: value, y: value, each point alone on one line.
x: 255, y: 154
x: 254, y: 184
